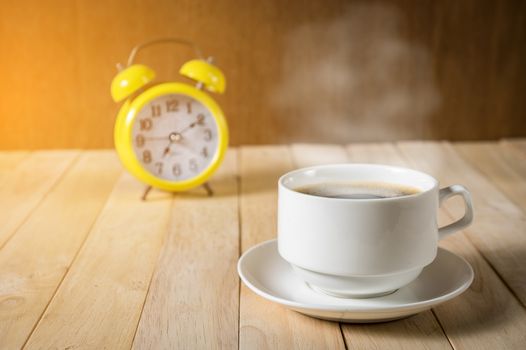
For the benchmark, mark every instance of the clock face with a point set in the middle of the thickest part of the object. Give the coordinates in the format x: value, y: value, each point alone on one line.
x: 174, y: 137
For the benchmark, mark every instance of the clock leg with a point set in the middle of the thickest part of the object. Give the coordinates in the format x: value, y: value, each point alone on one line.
x: 208, y: 189
x: 146, y: 191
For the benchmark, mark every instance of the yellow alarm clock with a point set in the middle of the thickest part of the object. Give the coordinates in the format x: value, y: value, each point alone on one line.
x: 172, y: 136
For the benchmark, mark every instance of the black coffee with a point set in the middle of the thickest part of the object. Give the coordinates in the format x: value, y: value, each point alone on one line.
x: 358, y: 190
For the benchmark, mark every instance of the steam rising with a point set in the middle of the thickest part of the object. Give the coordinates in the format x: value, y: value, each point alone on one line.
x: 355, y: 78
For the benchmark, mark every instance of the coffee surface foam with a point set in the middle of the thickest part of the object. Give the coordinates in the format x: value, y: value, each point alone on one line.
x: 358, y: 190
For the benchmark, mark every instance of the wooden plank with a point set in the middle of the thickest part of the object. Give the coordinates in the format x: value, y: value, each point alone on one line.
x: 10, y: 160
x: 519, y: 144
x: 194, y: 295
x: 499, y: 225
x: 515, y: 156
x: 376, y: 153
x: 23, y: 188
x: 492, y: 161
x: 421, y: 331
x: 263, y: 324
x: 100, y: 300
x: 487, y: 315
x: 34, y: 261
x: 260, y: 168
x: 308, y: 154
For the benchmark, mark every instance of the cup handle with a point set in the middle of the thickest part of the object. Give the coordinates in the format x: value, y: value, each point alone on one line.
x: 466, y: 220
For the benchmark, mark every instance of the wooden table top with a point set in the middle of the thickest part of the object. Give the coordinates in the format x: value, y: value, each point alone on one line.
x: 84, y: 263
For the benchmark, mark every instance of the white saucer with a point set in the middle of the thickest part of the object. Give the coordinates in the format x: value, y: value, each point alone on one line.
x: 264, y: 271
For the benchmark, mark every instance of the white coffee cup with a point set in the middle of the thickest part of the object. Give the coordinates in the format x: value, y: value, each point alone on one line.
x: 362, y: 247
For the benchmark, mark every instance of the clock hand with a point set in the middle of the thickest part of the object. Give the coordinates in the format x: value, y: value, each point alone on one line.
x: 177, y: 136
x: 173, y: 137
x: 187, y: 128
x: 166, y: 151
x: 199, y: 121
x: 155, y: 138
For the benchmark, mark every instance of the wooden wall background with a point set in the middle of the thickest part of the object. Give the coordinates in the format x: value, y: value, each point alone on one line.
x: 57, y: 59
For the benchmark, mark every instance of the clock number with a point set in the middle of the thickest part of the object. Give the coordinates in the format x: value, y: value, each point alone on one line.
x: 200, y: 119
x: 146, y: 124
x: 146, y: 157
x: 193, y: 165
x: 208, y: 134
x: 204, y: 152
x: 189, y: 107
x: 156, y: 111
x: 159, y: 167
x: 172, y: 105
x: 176, y: 170
x: 139, y: 140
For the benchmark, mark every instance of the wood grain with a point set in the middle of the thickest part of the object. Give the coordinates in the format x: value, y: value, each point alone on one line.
x: 58, y: 59
x: 419, y: 332
x: 34, y: 262
x: 499, y: 225
x: 86, y: 264
x: 519, y: 144
x: 260, y: 169
x: 99, y: 303
x: 263, y: 324
x: 487, y: 315
x: 10, y: 160
x: 514, y: 153
x: 193, y: 300
x: 23, y: 188
x: 498, y: 167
